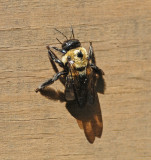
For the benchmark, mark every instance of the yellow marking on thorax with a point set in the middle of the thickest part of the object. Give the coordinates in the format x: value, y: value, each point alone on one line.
x: 78, y: 62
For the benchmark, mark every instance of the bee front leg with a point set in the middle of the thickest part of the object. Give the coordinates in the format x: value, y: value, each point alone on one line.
x: 52, y: 56
x: 60, y: 50
x: 55, y: 68
x: 50, y: 81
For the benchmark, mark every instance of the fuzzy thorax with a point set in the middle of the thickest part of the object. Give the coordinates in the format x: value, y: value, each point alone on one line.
x: 78, y: 61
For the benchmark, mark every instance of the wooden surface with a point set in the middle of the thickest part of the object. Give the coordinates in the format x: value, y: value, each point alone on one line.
x: 35, y: 128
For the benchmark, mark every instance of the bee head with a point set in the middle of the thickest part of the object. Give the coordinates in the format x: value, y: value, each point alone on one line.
x: 71, y: 44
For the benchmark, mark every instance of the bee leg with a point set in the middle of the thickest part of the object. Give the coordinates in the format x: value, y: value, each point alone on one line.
x: 52, y: 55
x: 60, y: 50
x: 62, y: 79
x: 91, y: 54
x: 50, y: 81
x: 97, y: 69
x: 100, y: 82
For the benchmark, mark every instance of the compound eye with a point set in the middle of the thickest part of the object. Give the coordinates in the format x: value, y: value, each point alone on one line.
x: 80, y: 55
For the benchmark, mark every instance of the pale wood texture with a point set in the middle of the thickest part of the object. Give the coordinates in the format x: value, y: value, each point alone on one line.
x: 35, y: 128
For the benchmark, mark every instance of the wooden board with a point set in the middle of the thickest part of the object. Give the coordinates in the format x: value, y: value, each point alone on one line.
x: 33, y: 127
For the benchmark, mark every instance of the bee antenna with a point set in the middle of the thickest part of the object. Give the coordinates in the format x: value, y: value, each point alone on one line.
x: 59, y: 41
x: 72, y: 32
x: 61, y: 33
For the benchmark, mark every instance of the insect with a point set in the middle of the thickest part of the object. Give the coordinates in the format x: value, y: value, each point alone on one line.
x: 82, y: 80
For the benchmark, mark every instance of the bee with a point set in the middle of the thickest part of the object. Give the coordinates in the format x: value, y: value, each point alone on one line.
x: 82, y: 80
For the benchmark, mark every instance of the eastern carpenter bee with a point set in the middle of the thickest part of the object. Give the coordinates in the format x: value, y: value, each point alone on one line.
x: 82, y: 80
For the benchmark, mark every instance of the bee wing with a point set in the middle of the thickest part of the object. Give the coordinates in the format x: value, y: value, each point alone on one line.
x: 97, y: 125
x: 92, y: 128
x: 80, y: 124
x: 88, y: 130
x: 87, y: 110
x: 89, y: 118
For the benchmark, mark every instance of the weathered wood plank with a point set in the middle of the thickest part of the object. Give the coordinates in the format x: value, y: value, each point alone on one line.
x: 32, y: 127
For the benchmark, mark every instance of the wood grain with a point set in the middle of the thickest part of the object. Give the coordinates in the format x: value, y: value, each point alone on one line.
x: 33, y: 127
